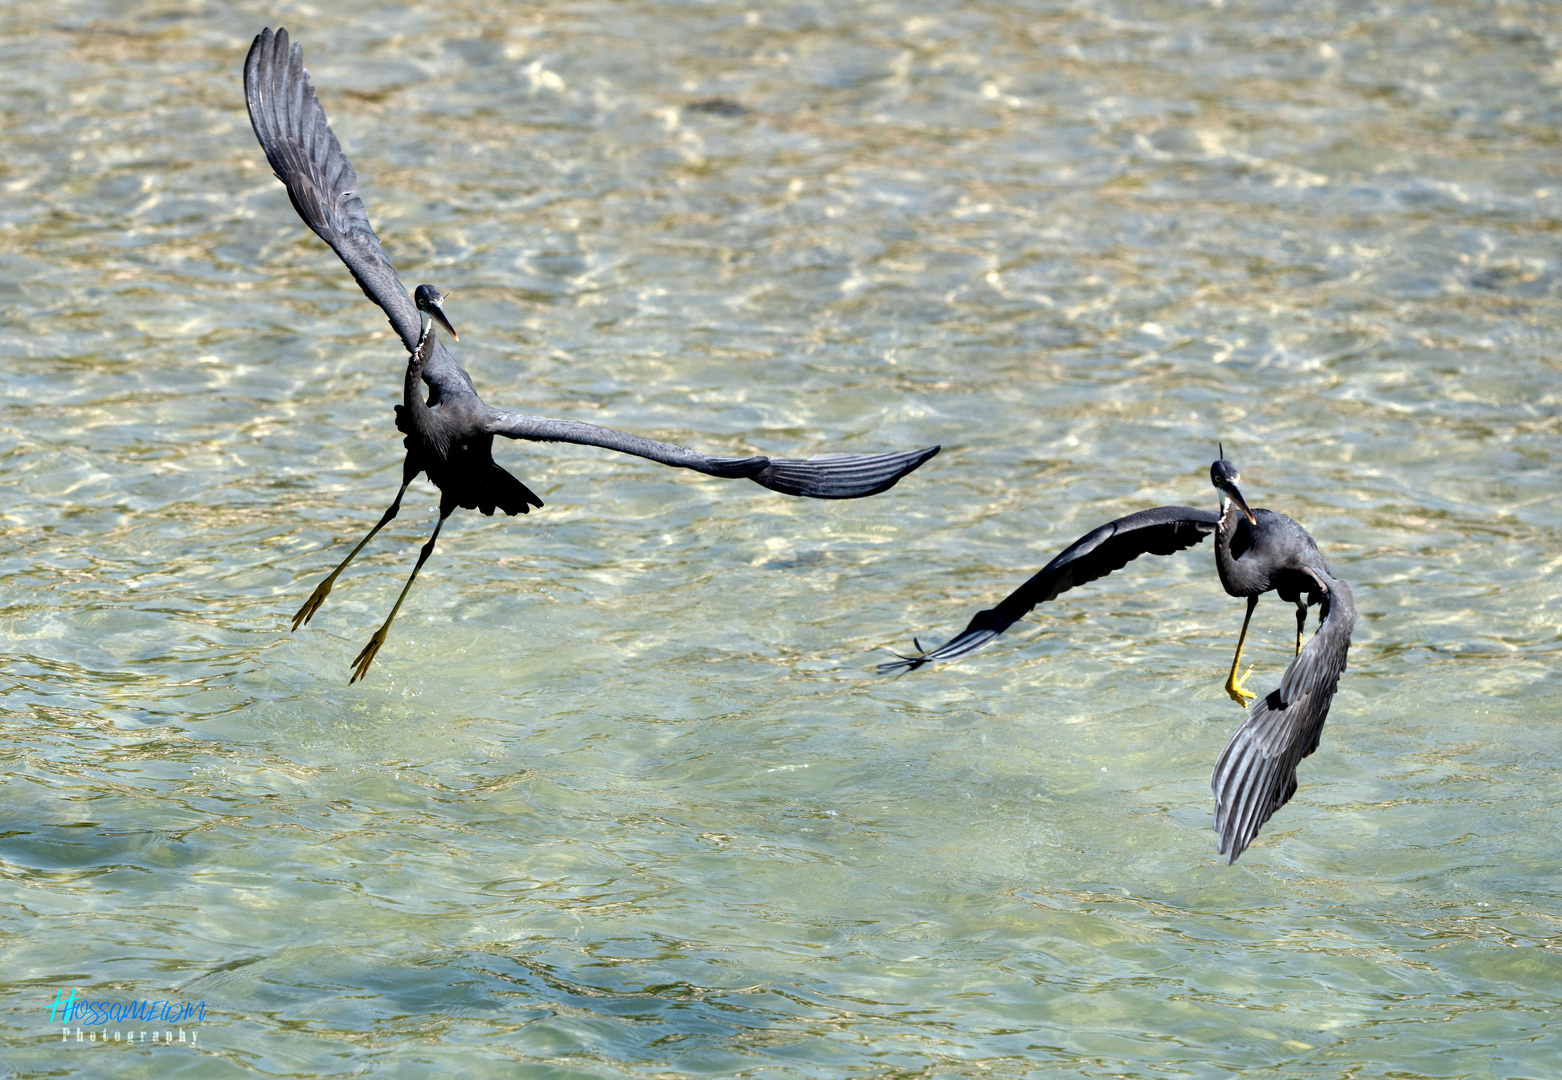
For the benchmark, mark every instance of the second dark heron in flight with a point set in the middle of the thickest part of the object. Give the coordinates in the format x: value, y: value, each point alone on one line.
x: 1256, y: 551
x: 450, y: 434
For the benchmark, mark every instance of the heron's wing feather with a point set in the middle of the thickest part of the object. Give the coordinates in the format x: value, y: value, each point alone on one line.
x: 305, y: 155
x: 826, y: 476
x: 1161, y: 531
x: 1256, y: 773
x: 840, y: 476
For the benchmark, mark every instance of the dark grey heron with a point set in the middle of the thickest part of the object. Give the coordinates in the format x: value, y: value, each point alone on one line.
x: 449, y: 435
x: 1256, y: 551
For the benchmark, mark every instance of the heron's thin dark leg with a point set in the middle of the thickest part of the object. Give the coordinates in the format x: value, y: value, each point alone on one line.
x: 1301, y: 622
x: 323, y: 589
x: 365, y: 658
x: 1233, y: 684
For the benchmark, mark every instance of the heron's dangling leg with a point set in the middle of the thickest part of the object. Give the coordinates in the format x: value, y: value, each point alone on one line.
x: 1233, y: 684
x: 323, y: 589
x: 1301, y: 622
x: 365, y: 658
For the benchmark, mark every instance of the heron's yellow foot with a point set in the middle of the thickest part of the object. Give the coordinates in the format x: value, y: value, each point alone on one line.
x: 312, y: 605
x: 365, y: 658
x: 1240, y: 694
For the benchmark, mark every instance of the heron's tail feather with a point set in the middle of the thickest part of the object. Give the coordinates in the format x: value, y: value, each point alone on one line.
x: 507, y: 493
x: 487, y: 490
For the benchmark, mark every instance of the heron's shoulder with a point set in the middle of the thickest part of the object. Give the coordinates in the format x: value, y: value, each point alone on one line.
x: 1273, y: 521
x: 1277, y: 533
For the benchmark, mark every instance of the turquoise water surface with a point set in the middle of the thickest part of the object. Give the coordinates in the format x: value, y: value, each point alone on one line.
x: 623, y: 796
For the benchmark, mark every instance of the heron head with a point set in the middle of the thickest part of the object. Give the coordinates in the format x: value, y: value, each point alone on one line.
x: 433, y: 305
x: 1224, y: 476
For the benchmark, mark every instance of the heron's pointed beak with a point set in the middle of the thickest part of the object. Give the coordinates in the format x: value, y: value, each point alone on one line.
x: 437, y: 313
x: 1236, y: 497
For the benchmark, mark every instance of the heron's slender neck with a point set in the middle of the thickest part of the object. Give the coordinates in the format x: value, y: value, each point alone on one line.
x: 412, y: 394
x: 1232, y: 541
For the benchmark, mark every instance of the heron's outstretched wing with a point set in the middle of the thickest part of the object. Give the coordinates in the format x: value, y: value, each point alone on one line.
x: 1161, y: 531
x: 824, y: 476
x: 1256, y: 773
x: 305, y: 155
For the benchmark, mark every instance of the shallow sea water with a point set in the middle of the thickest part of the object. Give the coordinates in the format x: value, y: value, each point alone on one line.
x: 623, y: 796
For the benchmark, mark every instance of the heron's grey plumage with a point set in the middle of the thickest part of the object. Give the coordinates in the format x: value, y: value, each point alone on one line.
x: 449, y: 434
x: 824, y: 476
x: 1256, y: 551
x: 1256, y: 772
x: 305, y: 155
x: 1161, y: 531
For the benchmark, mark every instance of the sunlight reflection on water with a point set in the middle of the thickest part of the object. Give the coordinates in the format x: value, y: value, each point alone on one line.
x: 622, y: 793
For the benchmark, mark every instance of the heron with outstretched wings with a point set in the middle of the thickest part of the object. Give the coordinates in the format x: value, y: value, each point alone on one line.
x: 450, y: 431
